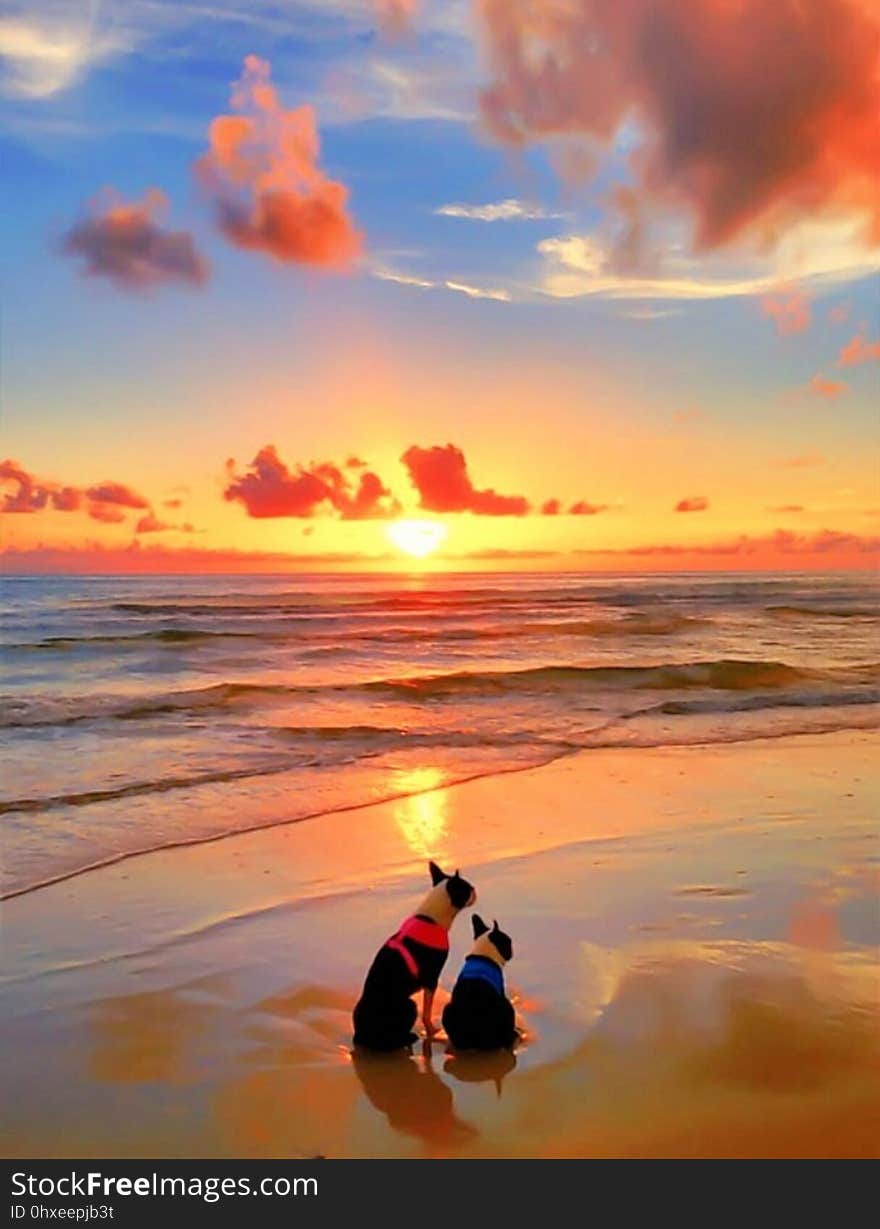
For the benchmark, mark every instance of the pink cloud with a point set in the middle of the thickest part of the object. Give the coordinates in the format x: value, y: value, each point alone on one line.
x: 441, y: 478
x: 135, y: 559
x: 782, y: 548
x: 582, y: 508
x: 859, y: 350
x: 117, y: 493
x: 270, y: 489
x: 29, y: 495
x: 695, y: 503
x: 108, y: 514
x: 66, y: 499
x: 125, y: 244
x: 821, y: 386
x: 107, y: 502
x: 262, y: 172
x: 790, y: 311
x: 749, y: 114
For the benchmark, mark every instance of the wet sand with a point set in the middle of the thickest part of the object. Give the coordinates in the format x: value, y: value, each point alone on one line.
x: 696, y: 972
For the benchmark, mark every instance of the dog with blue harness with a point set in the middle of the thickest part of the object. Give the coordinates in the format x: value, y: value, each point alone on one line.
x: 479, y: 1016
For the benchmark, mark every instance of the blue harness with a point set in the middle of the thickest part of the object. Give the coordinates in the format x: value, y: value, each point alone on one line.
x: 482, y: 967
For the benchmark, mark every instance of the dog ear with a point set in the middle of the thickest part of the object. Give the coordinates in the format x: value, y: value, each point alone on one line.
x: 437, y: 876
x: 500, y: 941
x: 459, y: 891
x: 480, y: 927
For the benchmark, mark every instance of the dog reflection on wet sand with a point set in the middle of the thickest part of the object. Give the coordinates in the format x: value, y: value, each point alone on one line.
x: 413, y: 1097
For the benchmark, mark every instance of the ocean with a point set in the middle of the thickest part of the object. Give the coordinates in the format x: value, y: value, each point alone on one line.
x: 144, y: 712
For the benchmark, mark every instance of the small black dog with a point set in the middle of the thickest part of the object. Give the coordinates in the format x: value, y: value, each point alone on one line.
x: 479, y: 1016
x: 411, y: 960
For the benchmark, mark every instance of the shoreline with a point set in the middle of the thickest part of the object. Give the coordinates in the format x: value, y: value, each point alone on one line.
x: 453, y: 782
x: 695, y: 968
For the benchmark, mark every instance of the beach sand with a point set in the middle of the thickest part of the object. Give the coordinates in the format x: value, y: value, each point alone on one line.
x: 696, y: 971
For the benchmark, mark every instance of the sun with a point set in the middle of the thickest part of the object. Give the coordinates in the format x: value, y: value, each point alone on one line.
x: 416, y: 538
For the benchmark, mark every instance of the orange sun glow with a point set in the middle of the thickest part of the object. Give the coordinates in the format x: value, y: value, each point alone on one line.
x: 417, y: 538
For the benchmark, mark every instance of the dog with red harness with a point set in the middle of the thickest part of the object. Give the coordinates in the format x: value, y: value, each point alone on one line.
x: 410, y: 960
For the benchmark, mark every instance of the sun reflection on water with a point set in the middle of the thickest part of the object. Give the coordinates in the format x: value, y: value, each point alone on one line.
x: 421, y: 816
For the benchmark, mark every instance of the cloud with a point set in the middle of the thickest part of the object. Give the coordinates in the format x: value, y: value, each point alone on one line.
x: 34, y: 494
x: 396, y: 16
x: 107, y: 514
x: 646, y: 314
x: 816, y: 253
x: 472, y: 292
x: 786, y: 508
x: 117, y: 493
x: 173, y: 504
x: 261, y: 171
x: 150, y: 523
x: 46, y: 52
x: 821, y: 386
x: 440, y: 476
x: 499, y: 553
x: 695, y: 503
x: 124, y: 243
x: 582, y: 508
x: 859, y: 350
x: 839, y: 313
x: 107, y: 502
x: 29, y: 495
x: 66, y: 499
x: 158, y: 558
x: 270, y: 489
x: 783, y: 546
x: 510, y: 210
x: 478, y: 292
x: 553, y: 507
x: 790, y: 310
x: 747, y: 115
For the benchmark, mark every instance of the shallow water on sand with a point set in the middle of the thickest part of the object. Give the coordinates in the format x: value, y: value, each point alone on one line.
x: 707, y: 985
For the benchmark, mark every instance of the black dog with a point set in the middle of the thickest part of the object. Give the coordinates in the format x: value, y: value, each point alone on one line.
x: 479, y: 1016
x: 410, y: 960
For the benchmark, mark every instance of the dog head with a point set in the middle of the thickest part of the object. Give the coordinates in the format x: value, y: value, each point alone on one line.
x: 461, y: 893
x: 493, y: 942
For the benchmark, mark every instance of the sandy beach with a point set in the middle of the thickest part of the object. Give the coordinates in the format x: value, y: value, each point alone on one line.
x: 696, y: 972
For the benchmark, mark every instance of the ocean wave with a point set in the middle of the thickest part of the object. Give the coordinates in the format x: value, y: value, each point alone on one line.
x: 751, y: 704
x: 134, y: 788
x: 164, y: 635
x: 823, y: 612
x: 726, y: 674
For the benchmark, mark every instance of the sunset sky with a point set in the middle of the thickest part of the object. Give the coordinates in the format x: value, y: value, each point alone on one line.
x: 588, y: 285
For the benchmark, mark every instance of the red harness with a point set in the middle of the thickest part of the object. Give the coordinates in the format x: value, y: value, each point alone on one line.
x: 431, y: 934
